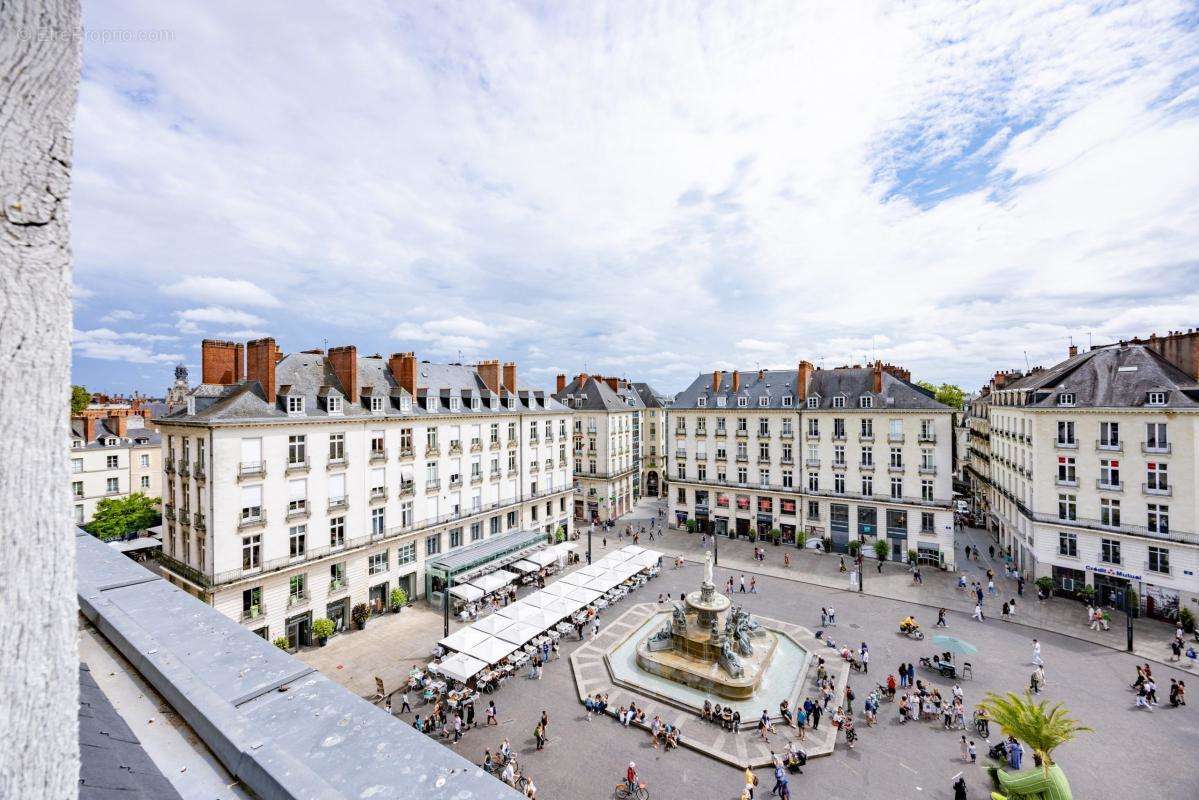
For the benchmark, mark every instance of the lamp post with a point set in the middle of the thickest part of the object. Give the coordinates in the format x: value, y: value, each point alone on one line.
x: 445, y: 607
x: 861, y: 570
x: 590, y: 528
x: 715, y: 547
x: 1128, y: 616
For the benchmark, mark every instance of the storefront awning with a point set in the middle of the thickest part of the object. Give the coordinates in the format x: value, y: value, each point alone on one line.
x: 463, y: 639
x: 494, y: 581
x: 467, y: 592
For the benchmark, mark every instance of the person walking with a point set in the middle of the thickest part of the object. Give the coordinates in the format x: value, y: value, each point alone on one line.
x: 405, y: 708
x: 864, y: 657
x: 491, y: 714
x: 941, y: 623
x: 753, y: 584
x: 832, y: 616
x: 978, y: 612
x: 1036, y: 653
x: 742, y: 590
x: 823, y: 617
x: 965, y: 748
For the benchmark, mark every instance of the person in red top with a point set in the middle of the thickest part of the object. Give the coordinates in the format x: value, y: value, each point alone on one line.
x: 631, y: 776
x: 891, y: 685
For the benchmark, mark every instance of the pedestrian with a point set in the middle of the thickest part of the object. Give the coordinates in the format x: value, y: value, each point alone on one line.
x: 832, y: 616
x: 1004, y: 611
x: 404, y: 707
x: 387, y: 706
x: 595, y: 627
x: 991, y: 587
x: 753, y: 584
x: 1020, y: 585
x: 539, y: 735
x: 491, y: 714
x: 865, y: 659
x: 978, y: 612
x: 1036, y: 653
x: 823, y: 617
x: 457, y: 728
x: 973, y: 753
x: 742, y: 590
x: 786, y: 560
x: 1011, y: 607
x: 841, y: 569
x: 941, y: 623
x: 965, y: 747
x: 991, y: 551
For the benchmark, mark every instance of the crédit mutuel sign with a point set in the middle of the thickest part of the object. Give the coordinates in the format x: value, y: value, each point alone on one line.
x: 1115, y: 573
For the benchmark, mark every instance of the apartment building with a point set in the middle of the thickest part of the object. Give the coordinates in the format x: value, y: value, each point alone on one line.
x: 113, y: 455
x: 1093, y: 471
x: 653, y: 440
x: 607, y: 444
x: 853, y: 453
x: 300, y: 485
x: 976, y: 456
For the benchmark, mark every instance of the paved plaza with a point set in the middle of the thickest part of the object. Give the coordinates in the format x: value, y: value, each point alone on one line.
x: 1130, y: 754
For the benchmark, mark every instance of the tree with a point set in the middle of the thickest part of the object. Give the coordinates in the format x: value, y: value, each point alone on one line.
x: 947, y: 393
x: 80, y: 398
x: 115, y: 518
x: 1041, y: 727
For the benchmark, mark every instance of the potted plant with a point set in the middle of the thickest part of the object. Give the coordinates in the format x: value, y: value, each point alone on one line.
x: 322, y: 629
x: 912, y: 557
x: 1087, y: 593
x: 753, y: 535
x: 880, y: 549
x: 691, y: 525
x: 801, y: 539
x: 1186, y: 618
x: 776, y: 536
x: 255, y: 611
x: 560, y: 537
x: 827, y: 541
x: 282, y: 643
x: 855, y: 547
x: 1045, y: 585
x: 359, y: 615
x: 399, y: 599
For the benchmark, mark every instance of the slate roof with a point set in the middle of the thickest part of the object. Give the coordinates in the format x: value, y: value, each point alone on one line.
x: 650, y: 396
x: 112, y: 762
x: 825, y: 384
x: 596, y: 395
x: 134, y: 437
x: 311, y: 376
x: 1113, y: 376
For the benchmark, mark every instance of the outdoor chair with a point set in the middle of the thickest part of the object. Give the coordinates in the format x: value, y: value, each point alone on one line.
x: 967, y: 670
x: 380, y: 692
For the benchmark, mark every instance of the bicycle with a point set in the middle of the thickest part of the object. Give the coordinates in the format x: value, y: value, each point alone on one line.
x: 624, y: 792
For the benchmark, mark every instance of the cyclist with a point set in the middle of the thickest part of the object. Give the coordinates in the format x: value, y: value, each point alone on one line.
x: 631, y: 777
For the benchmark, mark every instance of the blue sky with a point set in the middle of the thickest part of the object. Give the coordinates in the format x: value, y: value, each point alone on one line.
x: 654, y: 193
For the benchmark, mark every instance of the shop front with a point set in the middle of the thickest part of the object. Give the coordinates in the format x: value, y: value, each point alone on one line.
x: 928, y: 554
x: 897, y: 533
x: 720, y: 522
x: 868, y: 528
x: 1112, y: 584
x: 1161, y: 603
x: 765, y: 516
x: 299, y: 630
x: 743, y: 512
x: 787, y: 511
x: 408, y: 584
x: 701, y: 512
x: 1068, y: 582
x: 680, y: 517
x: 743, y: 526
x: 839, y: 526
x: 378, y: 598
x: 338, y: 613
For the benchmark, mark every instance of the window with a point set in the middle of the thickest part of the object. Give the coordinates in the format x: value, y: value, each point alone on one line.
x: 764, y: 401
x: 1065, y: 433
x: 1109, y: 434
x: 682, y: 472
x: 1158, y: 518
x: 1159, y: 559
x: 455, y: 538
x: 251, y: 552
x: 251, y: 502
x: 813, y: 509
x: 1109, y: 472
x: 1109, y: 512
x: 1155, y: 477
x: 1157, y: 398
x: 144, y: 461
x: 787, y: 453
x: 701, y: 471
x: 430, y: 438
x: 926, y: 458
x: 895, y: 431
x: 926, y: 522
x: 867, y: 485
x: 813, y: 482
x: 867, y: 456
x: 77, y: 488
x: 1066, y: 472
x: 839, y: 483
x: 433, y: 544
x: 297, y: 496
x: 334, y: 405
x: 112, y: 485
x: 337, y: 575
x: 838, y: 428
x: 113, y: 462
x: 377, y: 562
x: 867, y: 428
x: 839, y: 401
x: 742, y: 402
x: 295, y: 405
x: 337, y: 447
x: 1065, y: 399
x: 1067, y: 544
x: 763, y: 426
x: 405, y: 554
x: 406, y: 513
x: 839, y: 455
x: 1109, y: 551
x: 897, y: 457
x: 813, y: 427
x: 896, y: 488
x: 742, y: 425
x: 813, y: 402
x: 701, y: 402
x: 764, y: 451
x: 378, y: 521
x: 1155, y: 436
x: 455, y: 404
x: 297, y: 449
x: 1067, y: 506
x: 788, y: 401
x: 476, y: 529
x: 720, y: 425
x: 926, y: 490
x: 337, y: 531
x: 866, y: 401
x: 76, y: 465
x: 145, y: 482
x: 297, y: 538
x: 788, y: 479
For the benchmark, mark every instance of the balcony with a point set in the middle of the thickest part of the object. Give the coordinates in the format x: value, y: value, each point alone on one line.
x: 787, y: 460
x: 407, y: 453
x: 494, y: 444
x: 1066, y: 445
x: 476, y: 446
x: 895, y: 438
x: 927, y: 438
x: 1069, y: 484
x: 562, y: 462
x: 721, y: 456
x: 251, y: 469
x: 764, y: 460
x: 814, y: 463
x: 200, y: 475
x: 839, y: 465
x: 1108, y: 487
x: 680, y: 453
x: 743, y: 434
x: 185, y: 469
x: 433, y: 486
x: 455, y: 448
x: 476, y: 479
x: 297, y: 466
x: 338, y: 503
x: 253, y: 612
x: 1157, y: 491
x: 534, y: 467
x: 337, y: 586
x: 812, y: 437
x: 927, y: 469
x: 701, y: 432
x: 895, y: 468
x: 511, y: 444
x: 298, y: 599
x: 742, y: 459
x: 456, y: 482
x: 866, y: 467
x: 787, y: 435
x: 378, y: 456
x: 534, y: 440
x: 168, y: 511
x: 407, y: 489
x: 198, y: 521
x: 1155, y: 448
x: 378, y: 494
x: 255, y: 519
x: 865, y: 437
x: 169, y: 466
x: 298, y: 512
x: 432, y: 451
x: 1111, y: 447
x: 721, y: 432
x: 839, y: 437
x: 498, y: 473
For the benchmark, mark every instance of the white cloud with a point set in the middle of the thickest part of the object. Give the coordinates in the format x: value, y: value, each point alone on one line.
x: 120, y: 315
x: 958, y: 187
x: 108, y: 345
x: 210, y: 289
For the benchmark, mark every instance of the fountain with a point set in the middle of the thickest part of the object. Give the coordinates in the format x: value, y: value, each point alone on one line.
x: 710, y: 645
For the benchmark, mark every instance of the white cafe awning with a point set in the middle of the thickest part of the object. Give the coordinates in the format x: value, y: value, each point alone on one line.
x: 633, y: 549
x: 462, y: 639
x: 538, y: 599
x: 574, y: 579
x: 524, y: 565
x: 461, y: 667
x: 559, y: 588
x: 584, y: 595
x: 492, y: 624
x: 491, y: 650
x: 519, y: 632
x: 619, y: 555
x: 543, y: 557
x: 564, y: 606
x: 466, y: 592
x: 494, y: 581
x: 647, y: 559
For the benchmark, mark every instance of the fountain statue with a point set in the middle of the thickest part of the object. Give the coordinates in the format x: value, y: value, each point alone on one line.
x: 708, y: 646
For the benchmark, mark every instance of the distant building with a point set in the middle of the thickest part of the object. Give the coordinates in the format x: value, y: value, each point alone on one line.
x: 653, y: 440
x: 113, y: 454
x: 177, y: 394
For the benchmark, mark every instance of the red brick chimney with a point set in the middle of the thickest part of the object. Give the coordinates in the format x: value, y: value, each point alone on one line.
x: 510, y: 376
x: 736, y: 381
x: 877, y: 384
x: 561, y: 384
x: 220, y: 362
x: 489, y: 372
x: 613, y: 383
x: 118, y: 424
x: 1180, y: 348
x: 89, y: 428
x: 582, y: 379
x: 717, y: 377
x: 1073, y: 351
x: 344, y: 361
x: 403, y: 369
x: 898, y: 372
x: 261, y: 357
x: 803, y: 378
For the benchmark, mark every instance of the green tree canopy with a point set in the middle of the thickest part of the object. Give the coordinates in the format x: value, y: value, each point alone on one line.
x: 1041, y: 726
x: 946, y: 393
x: 117, y: 517
x: 80, y: 397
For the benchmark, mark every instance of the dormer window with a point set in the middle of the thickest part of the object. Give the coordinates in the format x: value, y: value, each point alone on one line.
x: 475, y: 404
x: 406, y: 404
x: 511, y: 401
x: 788, y: 401
x: 110, y: 442
x: 866, y: 401
x: 839, y: 401
x: 1157, y: 398
x: 1066, y: 399
x: 742, y: 402
x: 191, y: 406
x: 431, y: 402
x: 295, y: 405
x: 721, y: 401
x: 77, y: 443
x: 455, y: 404
x: 334, y: 405
x: 764, y: 401
x: 376, y: 405
x: 813, y: 402
x: 702, y: 402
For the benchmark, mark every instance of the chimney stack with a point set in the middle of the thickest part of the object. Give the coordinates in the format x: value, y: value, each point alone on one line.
x: 561, y: 384
x: 736, y: 381
x: 803, y: 378
x: 877, y: 384
x: 717, y: 377
x: 403, y: 369
x: 582, y: 379
x: 118, y: 424
x: 489, y: 373
x: 613, y: 383
x: 510, y: 376
x: 89, y: 428
x: 1073, y: 351
x: 344, y: 361
x: 261, y: 357
x: 220, y: 362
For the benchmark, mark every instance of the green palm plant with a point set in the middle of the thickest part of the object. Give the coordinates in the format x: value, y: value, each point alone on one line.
x: 1040, y: 726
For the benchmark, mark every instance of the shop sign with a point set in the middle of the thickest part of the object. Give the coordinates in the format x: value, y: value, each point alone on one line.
x: 1115, y: 573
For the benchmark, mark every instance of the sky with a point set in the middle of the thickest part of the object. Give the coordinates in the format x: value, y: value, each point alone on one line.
x: 647, y: 190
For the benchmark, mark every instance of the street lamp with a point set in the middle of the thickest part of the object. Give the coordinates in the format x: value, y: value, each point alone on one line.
x: 590, y: 528
x: 1128, y: 616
